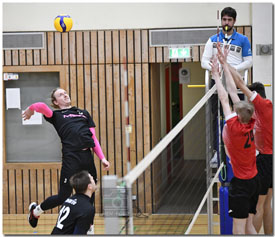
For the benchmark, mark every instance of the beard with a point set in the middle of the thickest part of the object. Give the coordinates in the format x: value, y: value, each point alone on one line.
x: 228, y: 28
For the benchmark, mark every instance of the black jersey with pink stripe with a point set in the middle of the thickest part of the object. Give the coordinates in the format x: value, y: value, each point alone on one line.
x: 72, y: 126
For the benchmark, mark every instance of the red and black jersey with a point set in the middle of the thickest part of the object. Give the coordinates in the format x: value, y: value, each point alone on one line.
x: 239, y: 141
x: 75, y: 216
x: 72, y: 126
x: 263, y: 125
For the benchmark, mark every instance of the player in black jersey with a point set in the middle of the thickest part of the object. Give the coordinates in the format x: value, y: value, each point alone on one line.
x: 77, y: 212
x: 76, y: 130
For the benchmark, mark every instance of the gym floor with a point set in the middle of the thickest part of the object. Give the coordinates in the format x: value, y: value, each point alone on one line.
x: 17, y: 224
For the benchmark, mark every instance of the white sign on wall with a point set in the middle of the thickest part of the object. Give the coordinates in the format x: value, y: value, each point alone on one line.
x: 10, y: 76
x: 36, y: 119
x: 13, y: 98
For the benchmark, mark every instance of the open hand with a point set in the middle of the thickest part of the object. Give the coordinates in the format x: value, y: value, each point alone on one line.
x: 214, y: 66
x: 222, y: 56
x: 27, y: 114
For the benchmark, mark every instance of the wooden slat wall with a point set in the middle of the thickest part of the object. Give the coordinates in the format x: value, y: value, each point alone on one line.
x: 23, y: 186
x: 94, y: 63
x: 99, y: 47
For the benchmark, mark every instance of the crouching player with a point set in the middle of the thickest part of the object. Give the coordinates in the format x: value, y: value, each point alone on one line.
x: 77, y: 212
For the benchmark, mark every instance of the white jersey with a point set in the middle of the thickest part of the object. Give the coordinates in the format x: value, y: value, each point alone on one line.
x: 239, y: 55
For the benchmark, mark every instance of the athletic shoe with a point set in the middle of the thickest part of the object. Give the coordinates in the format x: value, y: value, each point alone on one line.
x: 91, y: 231
x: 32, y: 219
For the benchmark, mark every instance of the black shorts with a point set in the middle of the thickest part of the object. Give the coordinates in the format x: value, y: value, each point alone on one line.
x: 72, y: 163
x: 76, y: 161
x: 265, y: 168
x: 243, y: 196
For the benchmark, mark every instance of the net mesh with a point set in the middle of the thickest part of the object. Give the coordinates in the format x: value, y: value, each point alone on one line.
x: 173, y: 185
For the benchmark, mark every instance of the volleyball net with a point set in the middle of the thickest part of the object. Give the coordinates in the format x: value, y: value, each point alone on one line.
x: 176, y: 182
x: 172, y: 180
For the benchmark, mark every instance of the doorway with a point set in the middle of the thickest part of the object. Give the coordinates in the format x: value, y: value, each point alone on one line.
x: 173, y: 101
x: 180, y: 171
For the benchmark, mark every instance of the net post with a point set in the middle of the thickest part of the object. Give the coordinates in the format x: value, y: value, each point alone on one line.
x: 128, y: 127
x: 130, y: 221
x: 246, y: 76
x: 187, y: 232
x: 110, y: 210
x: 245, y: 81
x: 208, y: 156
x: 210, y: 212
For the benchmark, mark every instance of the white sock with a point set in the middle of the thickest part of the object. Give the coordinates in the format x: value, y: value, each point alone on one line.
x: 37, y: 211
x: 91, y: 231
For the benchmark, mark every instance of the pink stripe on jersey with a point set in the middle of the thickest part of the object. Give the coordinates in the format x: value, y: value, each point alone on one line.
x: 74, y: 115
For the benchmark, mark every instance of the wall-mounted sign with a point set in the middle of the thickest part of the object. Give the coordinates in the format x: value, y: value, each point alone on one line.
x: 179, y: 52
x: 36, y: 119
x: 13, y: 98
x: 10, y: 76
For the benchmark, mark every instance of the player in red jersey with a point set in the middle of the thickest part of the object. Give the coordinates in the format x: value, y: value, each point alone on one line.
x: 239, y: 141
x: 263, y: 141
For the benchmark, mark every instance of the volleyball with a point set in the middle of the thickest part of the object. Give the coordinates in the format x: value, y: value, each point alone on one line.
x: 63, y: 23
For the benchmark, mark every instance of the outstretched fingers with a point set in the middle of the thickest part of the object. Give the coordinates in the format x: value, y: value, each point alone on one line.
x: 222, y: 55
x: 27, y: 114
x: 214, y: 64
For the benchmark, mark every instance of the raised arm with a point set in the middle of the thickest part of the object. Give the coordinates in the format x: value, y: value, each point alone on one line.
x: 97, y: 149
x: 37, y: 107
x: 235, y: 76
x: 222, y: 94
x: 240, y: 82
x: 230, y: 84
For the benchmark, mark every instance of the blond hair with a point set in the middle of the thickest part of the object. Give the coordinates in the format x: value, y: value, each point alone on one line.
x: 245, y: 111
x: 53, y: 98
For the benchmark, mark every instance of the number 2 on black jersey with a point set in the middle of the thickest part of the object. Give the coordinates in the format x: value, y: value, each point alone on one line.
x: 250, y: 138
x: 63, y: 214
